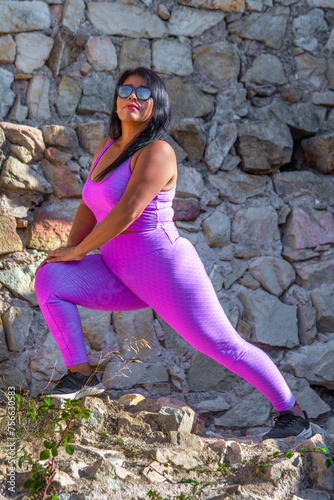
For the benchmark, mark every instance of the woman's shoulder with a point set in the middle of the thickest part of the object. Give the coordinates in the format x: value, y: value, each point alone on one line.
x: 159, y: 147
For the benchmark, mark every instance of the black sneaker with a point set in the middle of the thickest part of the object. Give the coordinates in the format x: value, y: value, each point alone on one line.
x: 288, y: 424
x: 74, y: 385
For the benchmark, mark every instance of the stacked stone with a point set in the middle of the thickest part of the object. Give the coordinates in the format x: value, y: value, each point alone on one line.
x: 251, y: 85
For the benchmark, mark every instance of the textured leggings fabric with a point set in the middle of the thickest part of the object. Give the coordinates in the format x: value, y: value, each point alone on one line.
x: 162, y: 270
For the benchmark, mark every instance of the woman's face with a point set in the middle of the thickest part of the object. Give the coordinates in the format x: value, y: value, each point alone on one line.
x: 131, y: 108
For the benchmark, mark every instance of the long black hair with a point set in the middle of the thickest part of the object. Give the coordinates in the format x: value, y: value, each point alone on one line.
x: 158, y: 127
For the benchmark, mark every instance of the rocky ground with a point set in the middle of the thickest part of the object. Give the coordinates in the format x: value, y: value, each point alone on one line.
x: 145, y: 434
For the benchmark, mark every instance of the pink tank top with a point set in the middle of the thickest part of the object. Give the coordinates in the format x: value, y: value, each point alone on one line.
x: 102, y: 196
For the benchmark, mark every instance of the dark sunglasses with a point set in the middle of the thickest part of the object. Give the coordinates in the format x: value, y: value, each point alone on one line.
x: 142, y: 93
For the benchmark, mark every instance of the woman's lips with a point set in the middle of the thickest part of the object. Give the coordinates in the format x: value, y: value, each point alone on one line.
x: 132, y: 106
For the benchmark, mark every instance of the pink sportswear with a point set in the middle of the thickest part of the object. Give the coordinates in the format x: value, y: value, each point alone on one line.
x: 156, y: 268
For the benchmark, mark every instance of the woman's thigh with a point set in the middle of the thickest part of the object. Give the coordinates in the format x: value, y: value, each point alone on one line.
x: 88, y: 283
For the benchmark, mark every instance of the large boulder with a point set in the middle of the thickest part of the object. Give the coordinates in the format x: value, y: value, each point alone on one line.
x: 273, y: 323
x: 264, y: 146
x: 319, y: 152
x: 313, y: 362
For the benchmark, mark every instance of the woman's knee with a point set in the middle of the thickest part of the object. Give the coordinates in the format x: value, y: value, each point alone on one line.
x: 47, y: 278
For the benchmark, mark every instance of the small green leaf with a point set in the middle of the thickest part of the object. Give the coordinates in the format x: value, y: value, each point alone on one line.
x: 70, y: 449
x: 276, y: 453
x: 28, y: 483
x: 54, y: 452
x: 47, y: 444
x: 44, y: 455
x: 328, y: 462
x: 288, y: 454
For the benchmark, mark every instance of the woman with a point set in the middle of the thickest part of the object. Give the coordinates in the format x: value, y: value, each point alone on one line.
x: 143, y: 260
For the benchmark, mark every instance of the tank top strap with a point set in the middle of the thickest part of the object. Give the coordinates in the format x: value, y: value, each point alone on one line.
x: 99, y: 156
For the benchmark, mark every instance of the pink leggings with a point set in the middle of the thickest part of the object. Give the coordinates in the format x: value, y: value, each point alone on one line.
x: 162, y: 270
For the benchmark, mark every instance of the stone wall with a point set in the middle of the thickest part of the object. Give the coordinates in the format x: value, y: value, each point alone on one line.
x: 252, y: 92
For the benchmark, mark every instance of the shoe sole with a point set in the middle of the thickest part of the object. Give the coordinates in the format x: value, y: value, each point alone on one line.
x: 306, y: 433
x: 81, y: 393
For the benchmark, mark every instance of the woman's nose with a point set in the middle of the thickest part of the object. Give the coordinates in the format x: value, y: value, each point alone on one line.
x: 133, y: 94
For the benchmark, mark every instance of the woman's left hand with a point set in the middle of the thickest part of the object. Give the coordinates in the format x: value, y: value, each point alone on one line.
x: 61, y: 254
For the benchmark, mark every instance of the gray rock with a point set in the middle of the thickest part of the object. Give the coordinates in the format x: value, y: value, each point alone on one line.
x: 38, y: 98
x: 135, y: 334
x: 20, y: 281
x: 265, y: 70
x: 313, y: 362
x: 187, y: 100
x: 313, y: 275
x: 7, y: 49
x: 98, y: 94
x: 217, y: 404
x: 64, y: 137
x: 11, y: 376
x: 16, y: 175
x: 176, y: 419
x: 253, y: 224
x: 231, y: 105
x: 172, y: 340
x: 319, y: 151
x: 307, y: 397
x: 224, y: 5
x: 293, y: 185
x: 216, y: 278
x: 66, y: 49
x: 191, y: 22
x: 33, y: 49
x: 164, y: 13
x: 298, y: 255
x: 133, y: 54
x: 171, y: 56
x: 268, y: 28
x: 217, y: 377
x: 95, y: 325
x: 217, y: 229
x: 19, y: 112
x: 69, y: 94
x: 238, y: 269
x: 249, y: 282
x: 124, y: 375
x: 237, y: 187
x: 218, y: 148
x: 125, y: 20
x: 17, y: 322
x: 307, y: 227
x: 101, y: 53
x: 330, y: 41
x: 325, y: 4
x: 323, y: 98
x: 311, y: 69
x: 303, y: 119
x: 274, y: 274
x: 218, y: 61
x: 324, y: 304
x: 306, y: 28
x: 7, y: 95
x: 190, y: 134
x: 18, y: 16
x: 273, y: 323
x: 306, y: 324
x: 189, y: 183
x: 90, y: 135
x: 264, y: 146
x: 73, y: 14
x: 252, y: 410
